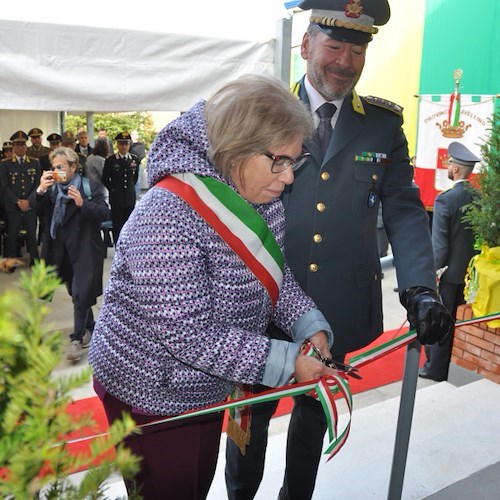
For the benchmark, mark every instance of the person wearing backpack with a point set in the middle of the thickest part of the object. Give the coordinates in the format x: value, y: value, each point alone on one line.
x: 74, y: 208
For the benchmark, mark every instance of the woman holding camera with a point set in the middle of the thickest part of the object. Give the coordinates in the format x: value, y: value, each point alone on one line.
x: 74, y: 208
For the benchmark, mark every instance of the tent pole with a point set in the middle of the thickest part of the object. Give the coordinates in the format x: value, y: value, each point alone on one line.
x: 283, y: 50
x: 90, y: 127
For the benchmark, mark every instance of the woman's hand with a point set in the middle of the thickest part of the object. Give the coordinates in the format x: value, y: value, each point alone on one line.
x: 309, y: 368
x: 46, y: 181
x: 75, y: 195
x: 320, y: 340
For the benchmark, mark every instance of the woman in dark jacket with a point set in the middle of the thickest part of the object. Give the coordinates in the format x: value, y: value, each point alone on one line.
x: 74, y: 207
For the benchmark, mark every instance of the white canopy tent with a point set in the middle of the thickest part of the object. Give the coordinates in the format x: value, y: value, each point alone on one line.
x: 147, y: 56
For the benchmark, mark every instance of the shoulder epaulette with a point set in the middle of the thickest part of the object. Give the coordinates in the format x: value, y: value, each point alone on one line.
x: 295, y: 89
x: 384, y: 103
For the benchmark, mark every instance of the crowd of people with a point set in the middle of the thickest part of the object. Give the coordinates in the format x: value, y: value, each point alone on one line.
x: 58, y: 197
x: 188, y: 314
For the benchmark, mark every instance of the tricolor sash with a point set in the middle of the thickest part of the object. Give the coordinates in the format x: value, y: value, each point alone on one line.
x: 248, y: 235
x: 236, y: 222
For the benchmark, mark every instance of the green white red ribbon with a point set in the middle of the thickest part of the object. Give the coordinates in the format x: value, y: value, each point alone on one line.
x: 236, y: 222
x: 402, y: 340
x: 454, y: 109
x: 324, y: 388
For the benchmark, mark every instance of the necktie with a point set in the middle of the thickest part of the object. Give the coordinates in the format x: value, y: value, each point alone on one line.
x: 325, y: 113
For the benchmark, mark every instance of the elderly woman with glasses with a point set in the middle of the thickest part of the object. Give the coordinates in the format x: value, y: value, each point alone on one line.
x: 197, y: 277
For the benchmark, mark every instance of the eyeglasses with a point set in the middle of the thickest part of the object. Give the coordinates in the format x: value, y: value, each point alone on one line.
x: 282, y: 162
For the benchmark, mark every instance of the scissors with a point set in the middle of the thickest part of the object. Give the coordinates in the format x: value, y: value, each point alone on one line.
x: 337, y: 365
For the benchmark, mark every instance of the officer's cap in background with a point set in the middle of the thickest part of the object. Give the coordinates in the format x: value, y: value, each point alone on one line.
x: 68, y: 136
x: 19, y: 137
x: 35, y: 132
x: 460, y: 154
x: 54, y: 138
x: 350, y: 21
x: 7, y: 145
x: 123, y: 137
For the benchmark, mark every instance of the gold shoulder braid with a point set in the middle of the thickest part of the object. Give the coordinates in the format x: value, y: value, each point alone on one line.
x: 340, y: 23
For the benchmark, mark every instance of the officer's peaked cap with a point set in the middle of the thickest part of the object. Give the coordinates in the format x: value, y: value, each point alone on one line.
x: 19, y: 136
x: 350, y: 21
x: 54, y: 138
x: 68, y: 136
x: 123, y: 137
x: 462, y: 155
x: 35, y: 132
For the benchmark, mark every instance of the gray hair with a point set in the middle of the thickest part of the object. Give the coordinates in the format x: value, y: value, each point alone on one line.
x: 68, y: 153
x: 250, y: 116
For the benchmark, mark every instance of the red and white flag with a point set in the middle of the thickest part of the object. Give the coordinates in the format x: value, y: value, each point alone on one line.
x: 443, y: 119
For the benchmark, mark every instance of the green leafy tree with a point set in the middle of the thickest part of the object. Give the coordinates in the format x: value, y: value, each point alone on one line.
x: 483, y: 214
x: 114, y: 123
x: 33, y: 420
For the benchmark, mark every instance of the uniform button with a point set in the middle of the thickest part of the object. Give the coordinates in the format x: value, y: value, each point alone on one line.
x: 313, y: 267
x: 320, y: 207
x: 325, y: 176
x: 317, y: 238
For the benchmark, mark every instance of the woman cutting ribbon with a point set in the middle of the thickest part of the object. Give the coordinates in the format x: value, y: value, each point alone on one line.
x: 198, y: 274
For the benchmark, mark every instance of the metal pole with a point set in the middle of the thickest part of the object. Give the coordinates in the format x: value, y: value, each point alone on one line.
x: 403, y: 429
x: 283, y: 50
x: 90, y: 127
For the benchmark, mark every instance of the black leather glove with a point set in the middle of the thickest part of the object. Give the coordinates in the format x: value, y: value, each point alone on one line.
x: 427, y: 315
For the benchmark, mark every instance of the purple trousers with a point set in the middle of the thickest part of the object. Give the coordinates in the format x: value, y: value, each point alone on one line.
x: 178, y: 459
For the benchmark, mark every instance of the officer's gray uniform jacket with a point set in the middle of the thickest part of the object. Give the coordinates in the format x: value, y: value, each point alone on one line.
x: 331, y: 220
x: 452, y: 241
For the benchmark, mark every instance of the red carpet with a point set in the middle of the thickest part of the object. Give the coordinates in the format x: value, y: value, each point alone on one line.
x: 383, y: 371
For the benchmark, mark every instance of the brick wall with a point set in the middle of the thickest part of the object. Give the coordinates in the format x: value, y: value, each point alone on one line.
x: 477, y: 347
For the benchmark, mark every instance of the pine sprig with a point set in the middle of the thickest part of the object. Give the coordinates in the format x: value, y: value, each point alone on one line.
x: 483, y: 214
x: 34, y: 423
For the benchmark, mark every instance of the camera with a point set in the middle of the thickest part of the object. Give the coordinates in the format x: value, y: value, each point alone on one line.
x: 59, y: 175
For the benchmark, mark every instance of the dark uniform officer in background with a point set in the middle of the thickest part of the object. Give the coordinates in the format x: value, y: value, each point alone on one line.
x: 453, y: 245
x: 331, y: 228
x: 36, y: 150
x: 119, y: 175
x: 6, y: 154
x: 55, y: 141
x: 19, y: 177
x: 7, y: 150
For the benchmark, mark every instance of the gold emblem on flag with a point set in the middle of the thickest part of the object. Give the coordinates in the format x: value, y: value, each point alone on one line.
x: 453, y: 127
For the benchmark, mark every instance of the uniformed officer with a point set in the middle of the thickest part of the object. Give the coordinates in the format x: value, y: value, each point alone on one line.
x: 36, y: 150
x: 19, y: 177
x: 119, y: 175
x: 7, y: 150
x: 453, y: 246
x: 359, y: 158
x: 6, y: 154
x: 55, y: 141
